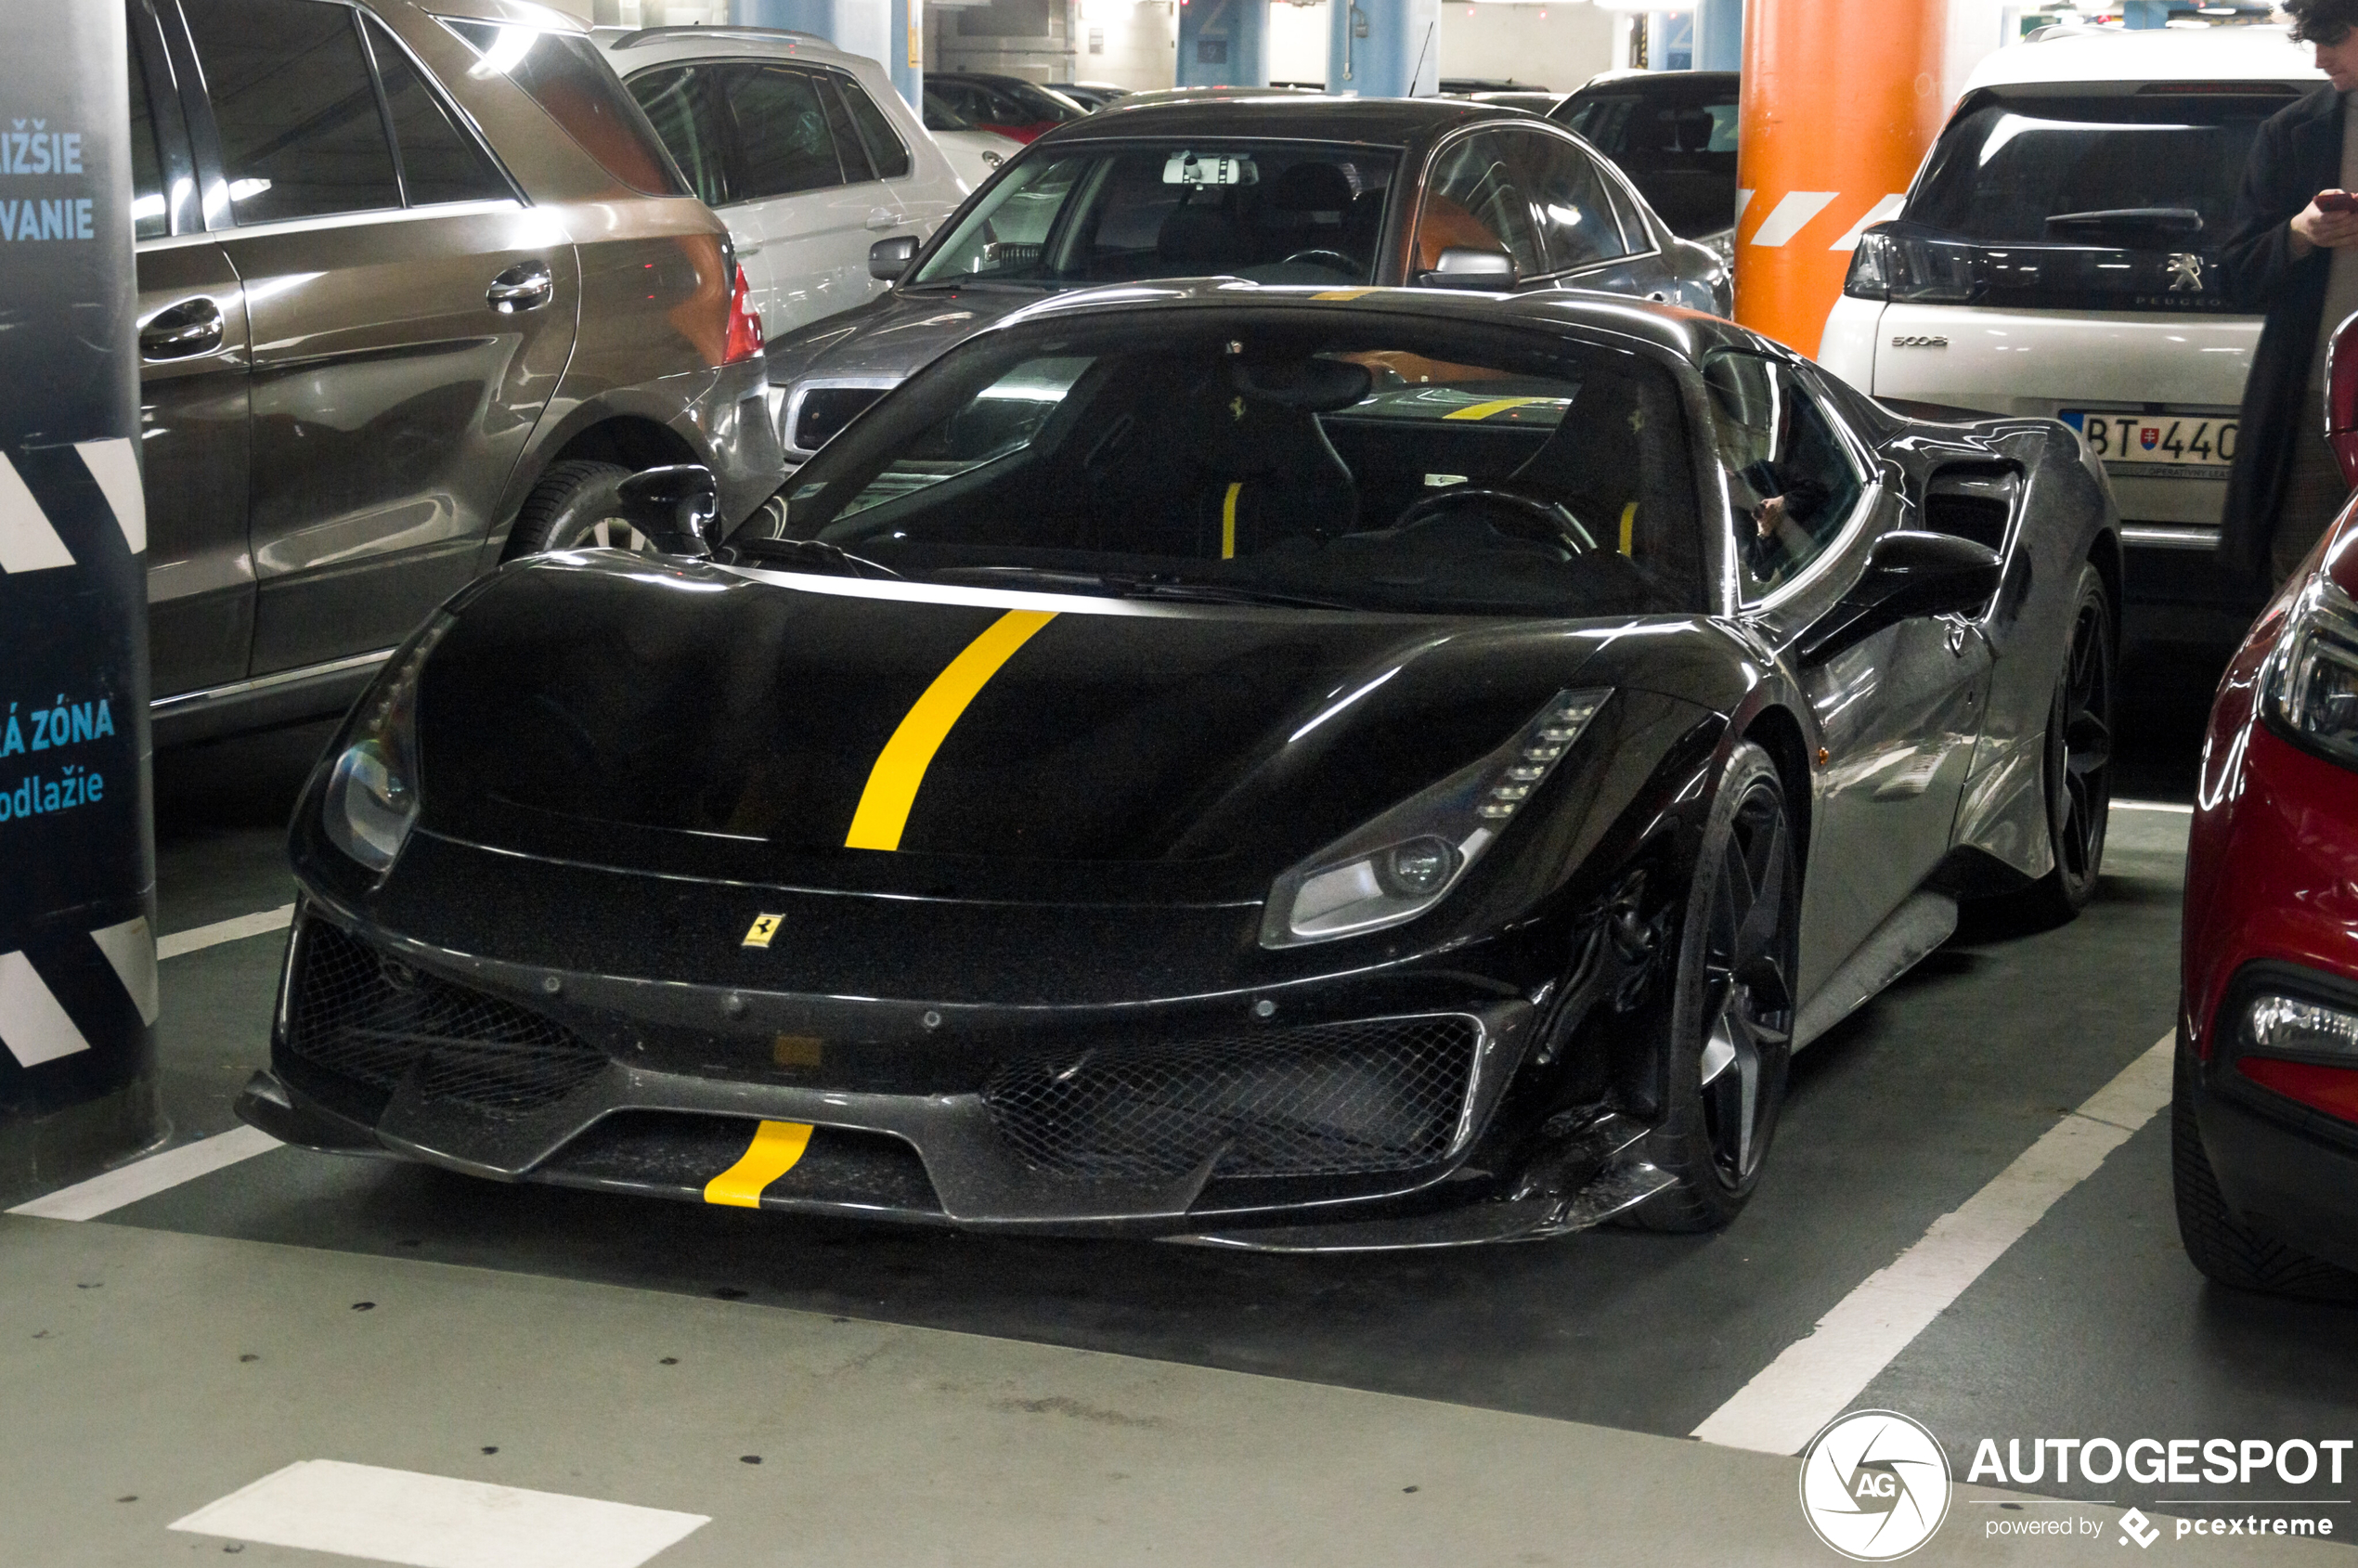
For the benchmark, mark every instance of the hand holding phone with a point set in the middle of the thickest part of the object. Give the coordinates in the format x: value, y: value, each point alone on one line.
x: 2336, y: 201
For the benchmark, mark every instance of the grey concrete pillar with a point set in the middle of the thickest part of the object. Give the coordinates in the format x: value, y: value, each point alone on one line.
x: 1383, y: 48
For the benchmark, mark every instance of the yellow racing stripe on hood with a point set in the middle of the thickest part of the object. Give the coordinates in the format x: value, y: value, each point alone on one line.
x: 900, y: 767
x: 1496, y: 406
x: 775, y: 1150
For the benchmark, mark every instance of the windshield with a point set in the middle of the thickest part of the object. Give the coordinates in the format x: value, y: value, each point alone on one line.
x: 940, y: 116
x: 1273, y: 213
x: 1286, y: 459
x: 1677, y: 142
x: 2004, y: 171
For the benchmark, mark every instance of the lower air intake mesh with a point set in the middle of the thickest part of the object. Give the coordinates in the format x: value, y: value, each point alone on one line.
x: 1327, y: 1100
x: 364, y: 1016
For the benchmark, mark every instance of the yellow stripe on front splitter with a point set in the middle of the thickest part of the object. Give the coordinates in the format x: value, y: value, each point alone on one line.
x: 1628, y: 527
x: 1496, y: 406
x: 776, y: 1147
x: 1228, y: 522
x: 901, y: 767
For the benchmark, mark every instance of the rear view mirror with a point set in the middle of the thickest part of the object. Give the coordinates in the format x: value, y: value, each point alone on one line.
x: 888, y: 259
x: 672, y: 506
x: 1909, y: 575
x: 1458, y: 267
x: 2341, y: 399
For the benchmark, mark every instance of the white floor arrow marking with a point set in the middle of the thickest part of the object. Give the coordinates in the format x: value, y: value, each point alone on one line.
x: 26, y: 541
x: 32, y: 1025
x: 114, y: 463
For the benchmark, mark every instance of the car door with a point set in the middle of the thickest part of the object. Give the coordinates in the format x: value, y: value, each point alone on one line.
x: 1591, y: 241
x: 1897, y: 712
x: 192, y: 395
x: 923, y: 194
x: 1474, y: 198
x: 805, y: 197
x: 410, y: 316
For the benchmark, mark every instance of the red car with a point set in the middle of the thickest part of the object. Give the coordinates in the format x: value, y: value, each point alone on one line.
x: 2264, y: 1122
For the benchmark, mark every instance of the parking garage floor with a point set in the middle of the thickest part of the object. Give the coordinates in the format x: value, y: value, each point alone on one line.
x: 1967, y: 1219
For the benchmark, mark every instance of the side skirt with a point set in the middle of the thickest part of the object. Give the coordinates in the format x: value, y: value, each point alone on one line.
x: 1911, y: 932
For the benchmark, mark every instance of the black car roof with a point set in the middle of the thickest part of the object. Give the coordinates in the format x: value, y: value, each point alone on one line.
x: 1377, y: 122
x: 1686, y: 334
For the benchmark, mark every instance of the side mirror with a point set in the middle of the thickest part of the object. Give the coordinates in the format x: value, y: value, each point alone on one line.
x: 1458, y: 267
x: 888, y: 259
x: 673, y: 505
x: 1909, y: 575
x: 2341, y: 399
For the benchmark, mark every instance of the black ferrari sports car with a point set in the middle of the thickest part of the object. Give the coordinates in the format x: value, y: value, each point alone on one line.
x: 1285, y: 768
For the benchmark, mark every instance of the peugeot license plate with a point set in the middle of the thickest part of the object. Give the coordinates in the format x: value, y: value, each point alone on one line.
x: 2170, y: 440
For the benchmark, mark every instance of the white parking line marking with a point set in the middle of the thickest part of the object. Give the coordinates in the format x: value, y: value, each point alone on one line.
x: 145, y: 1178
x: 435, y: 1521
x: 1816, y: 1379
x: 32, y: 1025
x: 222, y: 931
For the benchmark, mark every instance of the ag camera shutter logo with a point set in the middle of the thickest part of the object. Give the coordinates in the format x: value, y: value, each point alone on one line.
x: 1874, y: 1485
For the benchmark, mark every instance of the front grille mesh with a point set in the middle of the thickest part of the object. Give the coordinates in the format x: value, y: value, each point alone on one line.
x: 1327, y: 1100
x: 365, y: 1016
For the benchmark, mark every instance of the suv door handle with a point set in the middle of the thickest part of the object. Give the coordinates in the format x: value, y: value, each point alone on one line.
x: 178, y: 331
x: 525, y: 286
x: 881, y: 217
x: 744, y: 246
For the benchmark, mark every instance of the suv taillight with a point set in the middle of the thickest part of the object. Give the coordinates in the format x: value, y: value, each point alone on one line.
x: 1908, y: 268
x: 745, y: 324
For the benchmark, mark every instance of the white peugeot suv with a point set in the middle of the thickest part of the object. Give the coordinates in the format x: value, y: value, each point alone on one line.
x: 2058, y: 256
x: 806, y: 152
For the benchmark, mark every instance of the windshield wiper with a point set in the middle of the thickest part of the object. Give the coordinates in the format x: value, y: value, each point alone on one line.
x: 815, y: 555
x: 1150, y: 585
x: 2175, y: 221
x: 981, y: 280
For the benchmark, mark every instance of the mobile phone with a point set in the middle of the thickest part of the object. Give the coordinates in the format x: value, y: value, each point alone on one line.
x: 2336, y: 201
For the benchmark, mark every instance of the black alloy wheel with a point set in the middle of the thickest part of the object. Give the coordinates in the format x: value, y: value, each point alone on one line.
x: 2079, y: 756
x: 1732, y: 1017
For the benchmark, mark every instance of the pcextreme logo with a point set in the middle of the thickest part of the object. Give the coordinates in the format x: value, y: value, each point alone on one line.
x: 1874, y: 1485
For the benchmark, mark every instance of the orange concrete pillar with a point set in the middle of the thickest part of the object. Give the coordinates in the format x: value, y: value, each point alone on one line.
x: 1841, y: 98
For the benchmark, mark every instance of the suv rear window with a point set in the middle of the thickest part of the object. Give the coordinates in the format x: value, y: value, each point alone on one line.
x: 2003, y: 169
x: 566, y: 75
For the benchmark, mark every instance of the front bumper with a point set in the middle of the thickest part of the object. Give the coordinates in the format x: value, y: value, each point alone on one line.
x: 737, y: 439
x: 933, y: 1114
x: 2284, y: 1169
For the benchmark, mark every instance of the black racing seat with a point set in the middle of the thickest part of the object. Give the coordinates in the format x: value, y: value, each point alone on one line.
x: 1631, y: 509
x: 1269, y: 472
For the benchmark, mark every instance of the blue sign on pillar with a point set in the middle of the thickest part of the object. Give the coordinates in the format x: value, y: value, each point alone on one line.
x: 1719, y: 35
x: 77, y: 844
x: 1220, y: 43
x: 1383, y: 48
x: 908, y: 44
x: 2145, y: 13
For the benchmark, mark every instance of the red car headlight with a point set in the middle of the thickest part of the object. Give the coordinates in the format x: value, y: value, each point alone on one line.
x: 2310, y: 689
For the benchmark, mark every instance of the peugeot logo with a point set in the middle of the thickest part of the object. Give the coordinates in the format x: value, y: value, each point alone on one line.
x: 2185, y: 273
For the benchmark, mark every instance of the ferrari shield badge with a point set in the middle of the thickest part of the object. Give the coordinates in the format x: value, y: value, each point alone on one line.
x: 764, y: 927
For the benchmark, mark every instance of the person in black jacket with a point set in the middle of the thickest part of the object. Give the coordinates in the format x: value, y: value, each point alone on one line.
x: 2298, y: 262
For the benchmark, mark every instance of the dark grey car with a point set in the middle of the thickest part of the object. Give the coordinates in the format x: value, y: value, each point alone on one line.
x: 411, y: 287
x: 1326, y: 193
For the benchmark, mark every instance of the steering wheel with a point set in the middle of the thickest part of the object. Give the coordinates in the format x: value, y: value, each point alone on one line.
x: 1513, y: 513
x: 1327, y: 258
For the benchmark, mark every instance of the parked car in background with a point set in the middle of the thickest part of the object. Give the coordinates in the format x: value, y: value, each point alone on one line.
x: 442, y: 279
x: 806, y: 152
x: 1330, y: 194
x: 1009, y: 105
x: 973, y: 151
x: 2058, y: 255
x: 2264, y: 1116
x: 1092, y: 95
x: 1539, y: 102
x: 1674, y: 134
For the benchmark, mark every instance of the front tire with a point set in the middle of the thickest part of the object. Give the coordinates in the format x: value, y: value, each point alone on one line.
x: 2228, y: 1251
x: 1733, y: 1009
x: 576, y: 506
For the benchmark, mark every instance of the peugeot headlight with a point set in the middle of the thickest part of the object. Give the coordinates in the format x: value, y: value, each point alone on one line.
x: 371, y: 799
x: 1407, y: 859
x: 2311, y: 687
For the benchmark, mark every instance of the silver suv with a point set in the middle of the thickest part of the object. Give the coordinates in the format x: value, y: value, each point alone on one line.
x: 412, y: 284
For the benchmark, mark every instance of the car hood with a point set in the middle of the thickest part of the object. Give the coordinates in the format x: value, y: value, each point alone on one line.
x: 893, y: 334
x: 718, y: 720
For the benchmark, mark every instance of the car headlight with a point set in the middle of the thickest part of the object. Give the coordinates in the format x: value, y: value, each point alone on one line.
x: 2310, y: 685
x: 371, y: 799
x: 1407, y: 859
